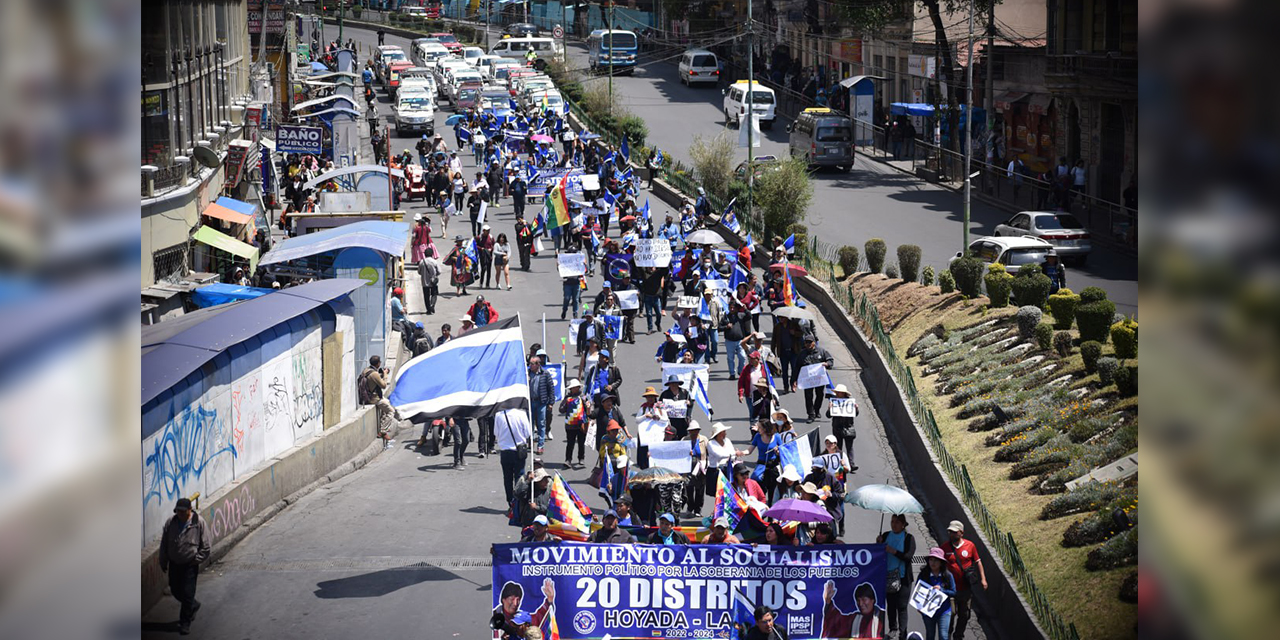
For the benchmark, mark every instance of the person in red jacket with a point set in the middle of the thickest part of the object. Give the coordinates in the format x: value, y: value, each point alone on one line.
x: 482, y: 312
x: 962, y: 555
x: 747, y: 378
x: 742, y: 483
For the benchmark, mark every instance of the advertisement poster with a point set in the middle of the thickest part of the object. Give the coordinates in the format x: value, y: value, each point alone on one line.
x: 579, y: 591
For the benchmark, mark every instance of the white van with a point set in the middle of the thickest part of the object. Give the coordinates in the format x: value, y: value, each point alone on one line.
x: 516, y: 48
x: 699, y: 65
x: 735, y: 98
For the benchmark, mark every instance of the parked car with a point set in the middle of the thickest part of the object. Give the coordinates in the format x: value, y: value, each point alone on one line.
x: 522, y: 30
x: 1010, y: 252
x: 1063, y: 230
x: 415, y: 114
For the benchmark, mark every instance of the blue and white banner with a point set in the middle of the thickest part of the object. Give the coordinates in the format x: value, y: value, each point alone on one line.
x: 472, y: 376
x: 556, y: 371
x: 612, y: 327
x: 581, y: 590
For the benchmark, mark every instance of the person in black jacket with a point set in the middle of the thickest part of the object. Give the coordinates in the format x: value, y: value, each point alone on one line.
x: 675, y: 395
x: 610, y: 531
x: 901, y: 547
x: 606, y: 411
x: 812, y: 354
x: 542, y: 394
x: 666, y: 533
x: 602, y: 378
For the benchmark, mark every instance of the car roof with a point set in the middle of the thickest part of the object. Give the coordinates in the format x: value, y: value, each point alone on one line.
x: 1044, y: 213
x: 756, y: 86
x: 1017, y: 242
x: 698, y: 51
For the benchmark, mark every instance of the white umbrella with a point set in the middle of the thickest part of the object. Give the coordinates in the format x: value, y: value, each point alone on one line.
x: 883, y: 497
x: 795, y: 313
x: 703, y: 236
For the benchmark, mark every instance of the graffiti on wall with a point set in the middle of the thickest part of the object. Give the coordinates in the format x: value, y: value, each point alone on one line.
x: 228, y: 515
x: 191, y: 441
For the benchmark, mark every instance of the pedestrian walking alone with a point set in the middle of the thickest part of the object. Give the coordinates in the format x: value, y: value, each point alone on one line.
x: 183, y: 546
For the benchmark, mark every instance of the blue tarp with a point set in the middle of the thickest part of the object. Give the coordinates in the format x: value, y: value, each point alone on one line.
x: 173, y: 349
x: 212, y: 295
x: 388, y: 237
x: 237, y: 206
x: 911, y: 109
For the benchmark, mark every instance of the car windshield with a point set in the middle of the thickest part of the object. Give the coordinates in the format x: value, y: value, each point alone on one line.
x: 619, y: 41
x: 467, y: 94
x: 1019, y: 257
x: 834, y: 134
x: 392, y: 56
x: 447, y: 38
x: 415, y: 103
x: 1058, y: 222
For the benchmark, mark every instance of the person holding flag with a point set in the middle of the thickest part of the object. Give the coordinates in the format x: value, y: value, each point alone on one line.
x: 575, y: 408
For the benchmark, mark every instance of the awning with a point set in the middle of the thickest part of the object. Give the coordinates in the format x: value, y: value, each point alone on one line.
x: 218, y: 240
x: 852, y: 80
x: 911, y: 109
x: 1039, y: 103
x: 380, y: 235
x: 212, y: 295
x: 221, y: 212
x: 342, y: 171
x: 1005, y: 100
x: 173, y: 349
x: 325, y: 100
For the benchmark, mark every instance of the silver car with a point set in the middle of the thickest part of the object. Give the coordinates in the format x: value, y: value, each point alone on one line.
x: 1064, y: 231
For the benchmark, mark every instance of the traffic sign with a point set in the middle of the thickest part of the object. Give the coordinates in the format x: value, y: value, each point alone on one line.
x: 557, y: 31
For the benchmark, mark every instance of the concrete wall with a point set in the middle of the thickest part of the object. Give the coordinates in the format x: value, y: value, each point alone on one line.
x: 236, y: 508
x: 169, y: 219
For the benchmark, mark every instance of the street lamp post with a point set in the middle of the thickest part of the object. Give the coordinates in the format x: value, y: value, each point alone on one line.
x: 610, y: 34
x: 751, y: 105
x: 968, y: 135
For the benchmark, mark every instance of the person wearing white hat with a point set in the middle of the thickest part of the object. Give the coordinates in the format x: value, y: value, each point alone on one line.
x: 720, y: 452
x: 467, y: 325
x: 695, y: 488
x: 539, y: 532
x: 576, y: 409
x: 842, y: 428
x: 832, y: 459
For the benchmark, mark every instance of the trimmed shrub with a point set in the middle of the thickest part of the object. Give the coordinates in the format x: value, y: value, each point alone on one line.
x: 1092, y: 294
x: 849, y: 257
x: 1090, y: 351
x: 1093, y: 319
x: 1124, y: 335
x: 876, y: 250
x: 801, y: 232
x: 1031, y: 287
x: 1107, y: 368
x: 782, y: 196
x: 891, y: 271
x: 1028, y: 318
x: 356, y: 10
x: 634, y: 129
x: 967, y: 272
x: 909, y: 261
x: 1119, y: 551
x: 1044, y: 336
x: 999, y: 284
x: 1063, y: 307
x: 1127, y: 381
x: 926, y: 276
x: 946, y: 281
x: 1062, y: 343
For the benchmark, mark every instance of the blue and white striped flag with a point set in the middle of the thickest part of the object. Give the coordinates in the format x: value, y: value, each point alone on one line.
x: 475, y: 375
x: 790, y: 244
x: 729, y: 218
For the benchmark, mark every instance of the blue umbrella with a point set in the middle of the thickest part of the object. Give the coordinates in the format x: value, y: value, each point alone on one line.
x: 454, y: 119
x: 318, y: 66
x: 590, y: 136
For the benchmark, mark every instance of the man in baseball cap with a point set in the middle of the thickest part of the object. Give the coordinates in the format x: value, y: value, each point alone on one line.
x: 666, y: 533
x: 539, y: 532
x: 183, y: 546
x: 610, y: 531
x: 720, y: 533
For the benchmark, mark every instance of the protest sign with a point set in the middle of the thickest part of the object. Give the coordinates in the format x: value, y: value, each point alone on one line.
x: 628, y: 299
x: 672, y: 455
x: 926, y: 599
x: 844, y: 408
x: 616, y: 266
x: 684, y: 591
x: 573, y: 331
x: 676, y: 408
x: 688, y: 302
x: 690, y: 376
x: 653, y: 252
x: 484, y: 206
x: 571, y: 264
x: 813, y: 376
x: 557, y: 379
x: 649, y: 430
x: 612, y: 327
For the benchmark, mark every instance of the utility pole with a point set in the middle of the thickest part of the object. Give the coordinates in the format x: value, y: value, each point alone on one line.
x: 488, y: 18
x: 990, y: 101
x: 968, y: 134
x: 341, y: 10
x: 751, y: 105
x: 564, y: 32
x: 610, y: 35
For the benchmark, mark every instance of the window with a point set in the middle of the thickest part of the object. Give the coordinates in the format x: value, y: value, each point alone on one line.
x: 704, y: 61
x: 1019, y: 257
x: 834, y: 134
x: 1019, y: 222
x: 761, y: 97
x: 1073, y: 26
x: 620, y: 41
x: 169, y: 262
x: 1058, y: 222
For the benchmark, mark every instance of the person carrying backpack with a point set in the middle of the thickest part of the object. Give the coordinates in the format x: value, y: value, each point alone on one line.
x: 370, y: 387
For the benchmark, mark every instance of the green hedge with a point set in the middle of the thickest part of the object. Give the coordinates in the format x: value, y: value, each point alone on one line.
x: 1063, y: 307
x: 1124, y: 335
x: 849, y: 259
x: 999, y: 284
x: 946, y: 281
x: 909, y: 261
x: 876, y: 250
x: 967, y: 272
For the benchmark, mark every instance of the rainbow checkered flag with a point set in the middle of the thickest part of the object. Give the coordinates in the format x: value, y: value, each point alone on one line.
x: 728, y: 503
x: 563, y: 509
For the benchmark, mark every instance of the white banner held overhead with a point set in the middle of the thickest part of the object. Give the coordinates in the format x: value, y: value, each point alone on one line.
x: 652, y: 252
x: 571, y: 264
x: 673, y: 455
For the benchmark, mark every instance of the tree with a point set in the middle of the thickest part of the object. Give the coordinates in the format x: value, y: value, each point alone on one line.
x: 711, y: 162
x: 782, y: 196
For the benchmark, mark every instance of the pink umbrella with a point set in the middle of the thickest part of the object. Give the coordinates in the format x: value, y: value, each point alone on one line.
x: 541, y: 138
x: 797, y: 510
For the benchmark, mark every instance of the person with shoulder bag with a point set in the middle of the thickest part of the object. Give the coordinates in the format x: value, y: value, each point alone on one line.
x: 900, y: 547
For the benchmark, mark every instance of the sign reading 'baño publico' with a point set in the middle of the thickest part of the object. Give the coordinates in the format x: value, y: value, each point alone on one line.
x: 700, y: 591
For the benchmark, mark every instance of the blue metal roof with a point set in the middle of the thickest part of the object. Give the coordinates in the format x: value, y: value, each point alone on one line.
x: 173, y: 349
x: 212, y: 295
x: 380, y: 235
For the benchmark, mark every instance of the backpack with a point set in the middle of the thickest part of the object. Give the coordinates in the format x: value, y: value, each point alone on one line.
x: 362, y: 387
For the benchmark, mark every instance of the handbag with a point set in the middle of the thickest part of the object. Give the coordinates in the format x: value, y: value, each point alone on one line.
x: 894, y: 584
x: 594, y: 478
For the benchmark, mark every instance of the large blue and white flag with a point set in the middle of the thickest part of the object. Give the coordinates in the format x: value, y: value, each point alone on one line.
x: 475, y: 375
x: 729, y: 218
x: 790, y: 244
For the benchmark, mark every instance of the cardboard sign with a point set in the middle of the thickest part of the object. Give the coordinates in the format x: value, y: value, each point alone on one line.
x: 672, y: 455
x: 688, y: 302
x: 573, y: 331
x: 676, y: 408
x: 813, y: 376
x: 571, y: 264
x: 924, y: 598
x: 649, y: 431
x: 628, y: 299
x: 652, y: 252
x: 484, y: 206
x: 844, y: 408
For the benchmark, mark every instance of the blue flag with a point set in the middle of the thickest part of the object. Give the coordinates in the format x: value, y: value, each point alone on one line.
x: 729, y: 218
x: 612, y: 327
x: 606, y: 482
x: 743, y: 615
x: 463, y: 134
x: 644, y: 211
x: 790, y: 243
x: 625, y: 150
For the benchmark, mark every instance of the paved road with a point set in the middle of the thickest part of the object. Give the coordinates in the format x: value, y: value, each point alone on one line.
x: 397, y: 548
x: 873, y: 200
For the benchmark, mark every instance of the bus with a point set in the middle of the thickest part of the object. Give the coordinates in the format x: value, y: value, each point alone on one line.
x: 614, y: 49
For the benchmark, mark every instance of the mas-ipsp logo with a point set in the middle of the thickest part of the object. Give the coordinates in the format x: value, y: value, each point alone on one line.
x: 584, y: 622
x: 800, y: 625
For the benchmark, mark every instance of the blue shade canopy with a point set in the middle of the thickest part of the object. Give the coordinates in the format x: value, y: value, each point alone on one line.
x: 212, y: 295
x: 911, y: 109
x: 380, y: 235
x: 173, y: 349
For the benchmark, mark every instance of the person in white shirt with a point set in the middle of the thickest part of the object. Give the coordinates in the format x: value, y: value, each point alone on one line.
x: 1078, y: 173
x: 512, y: 431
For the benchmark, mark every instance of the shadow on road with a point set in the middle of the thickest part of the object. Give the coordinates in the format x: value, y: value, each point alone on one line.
x: 381, y: 583
x: 488, y: 511
x: 161, y: 627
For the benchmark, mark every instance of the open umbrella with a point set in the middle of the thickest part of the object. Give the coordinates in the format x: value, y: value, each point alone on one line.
x: 455, y: 119
x: 797, y: 510
x: 883, y: 497
x: 590, y: 136
x: 795, y: 313
x: 703, y: 236
x: 541, y: 138
x: 654, y: 475
x: 319, y: 66
x: 795, y: 269
x: 627, y: 219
